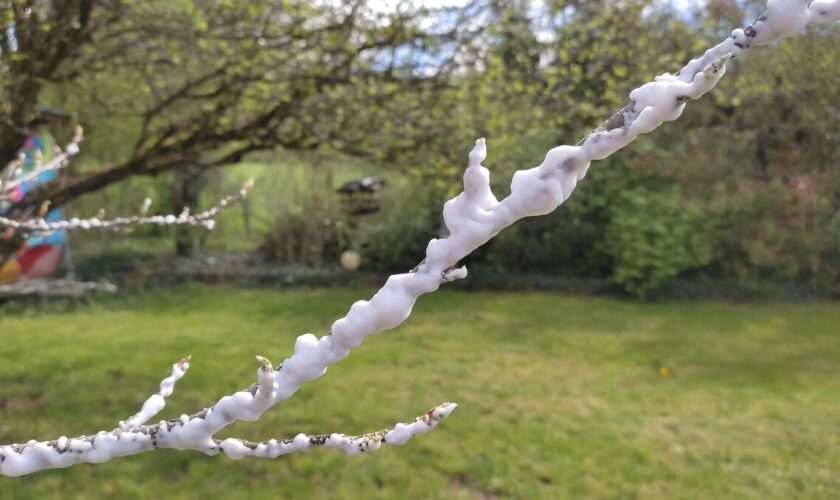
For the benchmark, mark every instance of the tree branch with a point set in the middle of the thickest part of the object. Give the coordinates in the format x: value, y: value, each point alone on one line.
x: 157, y: 402
x: 206, y: 219
x: 131, y: 437
x: 473, y: 217
x: 60, y: 161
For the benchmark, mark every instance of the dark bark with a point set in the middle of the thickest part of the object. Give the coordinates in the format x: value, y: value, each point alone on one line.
x: 35, y: 58
x: 187, y: 183
x: 204, y: 113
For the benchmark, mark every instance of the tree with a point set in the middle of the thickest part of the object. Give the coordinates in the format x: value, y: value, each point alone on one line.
x: 473, y: 217
x: 39, y: 239
x: 732, y: 155
x: 203, y: 83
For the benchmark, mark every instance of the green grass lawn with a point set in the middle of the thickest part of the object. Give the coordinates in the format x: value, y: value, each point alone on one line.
x: 560, y: 396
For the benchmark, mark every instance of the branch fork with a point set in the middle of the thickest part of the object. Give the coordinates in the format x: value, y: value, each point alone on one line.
x: 473, y: 217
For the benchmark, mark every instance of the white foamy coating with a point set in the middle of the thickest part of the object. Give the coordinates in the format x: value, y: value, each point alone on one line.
x: 157, y: 402
x: 472, y: 218
x: 352, y: 445
x: 60, y: 161
x: 205, y: 219
x: 824, y: 12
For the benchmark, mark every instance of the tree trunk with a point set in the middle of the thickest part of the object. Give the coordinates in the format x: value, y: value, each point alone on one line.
x: 186, y: 189
x: 11, y: 140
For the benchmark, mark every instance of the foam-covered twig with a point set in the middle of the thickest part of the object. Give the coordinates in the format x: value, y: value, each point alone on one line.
x: 206, y: 219
x: 157, y: 402
x: 130, y: 438
x: 472, y: 218
x: 60, y: 161
x: 352, y: 445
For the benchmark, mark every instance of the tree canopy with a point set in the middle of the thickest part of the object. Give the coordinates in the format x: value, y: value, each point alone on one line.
x: 167, y: 85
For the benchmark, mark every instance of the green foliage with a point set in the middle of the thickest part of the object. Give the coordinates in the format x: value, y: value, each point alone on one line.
x: 306, y: 240
x: 652, y: 237
x: 397, y: 241
x: 759, y: 153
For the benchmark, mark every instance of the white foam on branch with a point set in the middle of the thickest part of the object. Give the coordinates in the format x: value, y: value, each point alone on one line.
x: 206, y: 219
x: 472, y: 218
x: 60, y: 161
x: 157, y: 402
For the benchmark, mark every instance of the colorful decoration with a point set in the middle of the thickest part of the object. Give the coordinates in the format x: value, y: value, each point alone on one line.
x: 41, y: 254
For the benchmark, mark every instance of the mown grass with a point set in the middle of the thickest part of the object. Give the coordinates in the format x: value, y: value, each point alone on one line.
x: 561, y: 397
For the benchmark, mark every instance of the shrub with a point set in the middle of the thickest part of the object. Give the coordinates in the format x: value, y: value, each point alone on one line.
x: 652, y: 237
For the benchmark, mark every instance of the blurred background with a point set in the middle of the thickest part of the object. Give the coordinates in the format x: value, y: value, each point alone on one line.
x: 642, y: 340
x: 736, y: 199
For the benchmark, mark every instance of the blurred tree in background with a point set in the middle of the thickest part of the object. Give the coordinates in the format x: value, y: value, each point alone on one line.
x: 741, y: 191
x: 754, y: 160
x: 174, y: 84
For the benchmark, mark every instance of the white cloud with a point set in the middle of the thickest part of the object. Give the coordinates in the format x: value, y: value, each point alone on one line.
x: 391, y: 5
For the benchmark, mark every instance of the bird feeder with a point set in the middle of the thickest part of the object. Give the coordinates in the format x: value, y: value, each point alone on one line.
x: 361, y: 196
x: 51, y: 117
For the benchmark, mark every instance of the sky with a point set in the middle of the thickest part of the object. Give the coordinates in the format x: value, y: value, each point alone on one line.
x: 389, y: 5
